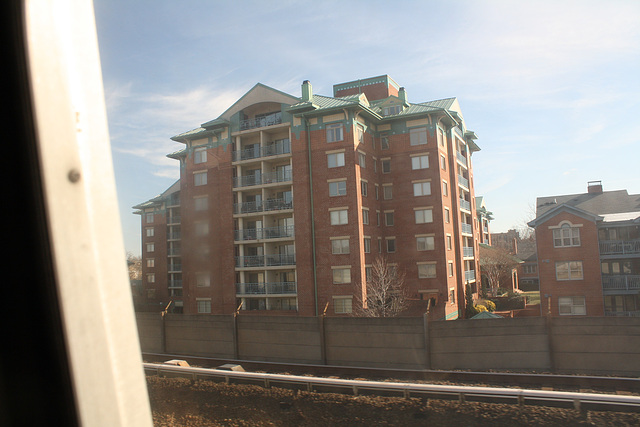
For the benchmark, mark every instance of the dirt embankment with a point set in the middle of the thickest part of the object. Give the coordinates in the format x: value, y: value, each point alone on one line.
x: 182, y: 402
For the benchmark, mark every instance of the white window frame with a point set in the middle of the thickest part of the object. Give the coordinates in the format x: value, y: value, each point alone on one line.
x: 335, y: 132
x: 423, y: 215
x: 387, y: 191
x: 394, y: 245
x: 341, y: 275
x: 427, y: 270
x: 574, y: 270
x: 201, y: 203
x: 340, y: 245
x: 343, y: 304
x: 566, y: 236
x: 386, y: 165
x: 200, y: 155
x: 203, y: 305
x: 418, y: 136
x: 572, y: 306
x: 203, y: 279
x: 150, y: 231
x: 335, y: 160
x: 339, y: 216
x: 421, y: 188
x: 420, y: 161
x: 425, y: 242
x: 338, y: 188
x: 200, y: 178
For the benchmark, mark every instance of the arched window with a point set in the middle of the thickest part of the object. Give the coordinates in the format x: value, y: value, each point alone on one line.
x: 566, y: 236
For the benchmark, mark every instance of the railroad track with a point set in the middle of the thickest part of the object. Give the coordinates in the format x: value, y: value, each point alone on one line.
x: 546, y: 381
x: 579, y: 401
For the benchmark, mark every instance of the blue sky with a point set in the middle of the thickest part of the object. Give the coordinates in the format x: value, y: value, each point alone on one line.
x: 552, y: 88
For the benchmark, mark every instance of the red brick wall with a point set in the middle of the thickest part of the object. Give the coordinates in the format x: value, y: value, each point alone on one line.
x: 590, y: 286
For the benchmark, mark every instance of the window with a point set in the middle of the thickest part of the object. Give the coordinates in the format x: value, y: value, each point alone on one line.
x: 377, y: 187
x: 201, y: 228
x: 386, y: 165
x: 566, y: 236
x: 334, y: 132
x: 151, y: 262
x: 360, y: 134
x: 420, y: 162
x: 422, y: 188
x: 447, y: 215
x: 362, y: 159
x: 200, y: 178
x: 200, y: 155
x: 149, y: 217
x: 423, y: 215
x: 364, y: 188
x: 418, y: 136
x: 201, y: 203
x: 365, y: 216
x: 150, y: 231
x: 151, y: 247
x: 441, y: 137
x: 367, y: 245
x: 426, y: 271
x: 391, y: 110
x: 339, y: 246
x: 341, y: 275
x: 443, y: 162
x: 384, y: 142
x: 450, y: 268
x: 391, y: 245
x: 342, y: 305
x: 203, y: 279
x: 368, y: 272
x: 449, y: 242
x: 445, y: 188
x: 339, y: 217
x: 452, y: 295
x: 572, y: 306
x: 203, y: 305
x: 378, y: 218
x: 569, y: 270
x: 388, y: 219
x: 151, y: 278
x: 530, y: 269
x: 387, y: 191
x: 425, y: 243
x: 337, y: 188
x: 335, y: 160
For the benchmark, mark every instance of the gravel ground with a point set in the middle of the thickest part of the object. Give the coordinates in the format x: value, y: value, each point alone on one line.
x: 183, y: 402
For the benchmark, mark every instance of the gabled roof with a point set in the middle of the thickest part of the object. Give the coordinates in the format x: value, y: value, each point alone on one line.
x: 160, y: 197
x: 563, y: 208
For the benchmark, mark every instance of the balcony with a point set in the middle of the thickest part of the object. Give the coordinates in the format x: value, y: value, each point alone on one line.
x: 466, y: 228
x: 262, y: 178
x: 620, y: 247
x: 461, y: 158
x: 465, y: 205
x: 463, y: 181
x: 467, y: 252
x: 278, y: 288
x: 274, y: 149
x: 260, y: 206
x: 174, y: 235
x: 175, y: 284
x: 262, y: 121
x: 624, y: 282
x: 273, y: 260
x: 175, y: 267
x: 264, y: 233
x: 469, y: 276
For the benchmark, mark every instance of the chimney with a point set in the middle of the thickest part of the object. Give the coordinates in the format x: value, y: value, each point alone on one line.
x: 307, y: 91
x: 402, y: 94
x: 594, y: 187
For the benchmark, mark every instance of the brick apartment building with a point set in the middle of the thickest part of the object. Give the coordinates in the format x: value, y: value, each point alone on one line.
x: 284, y: 203
x: 588, y: 252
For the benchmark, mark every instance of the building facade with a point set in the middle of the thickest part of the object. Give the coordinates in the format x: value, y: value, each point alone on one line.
x: 588, y: 253
x: 286, y: 202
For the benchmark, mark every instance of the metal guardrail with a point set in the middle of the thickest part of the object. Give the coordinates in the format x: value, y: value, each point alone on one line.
x: 462, y: 393
x: 619, y: 247
x: 624, y: 282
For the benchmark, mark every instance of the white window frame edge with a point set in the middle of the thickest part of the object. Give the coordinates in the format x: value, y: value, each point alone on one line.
x: 85, y: 231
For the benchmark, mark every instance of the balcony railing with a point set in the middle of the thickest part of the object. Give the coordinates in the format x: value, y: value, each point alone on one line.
x: 173, y: 251
x: 263, y: 206
x: 274, y: 149
x: 622, y: 313
x: 467, y: 252
x: 626, y: 282
x: 264, y: 233
x: 175, y: 235
x: 173, y: 219
x: 278, y: 288
x: 175, y: 267
x: 620, y: 247
x: 175, y: 283
x: 262, y: 178
x: 265, y: 260
x: 463, y: 181
x: 464, y: 204
x: 466, y: 228
x: 469, y: 275
x: 461, y: 158
x: 258, y: 122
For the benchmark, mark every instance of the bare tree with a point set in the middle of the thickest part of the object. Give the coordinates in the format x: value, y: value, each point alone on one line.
x: 134, y: 264
x: 524, y: 231
x: 386, y: 295
x: 496, y: 265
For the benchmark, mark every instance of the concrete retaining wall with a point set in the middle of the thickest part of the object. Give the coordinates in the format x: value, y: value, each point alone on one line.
x: 596, y: 345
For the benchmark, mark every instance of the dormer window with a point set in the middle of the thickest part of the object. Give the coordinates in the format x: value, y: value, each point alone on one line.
x: 391, y: 110
x: 566, y: 236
